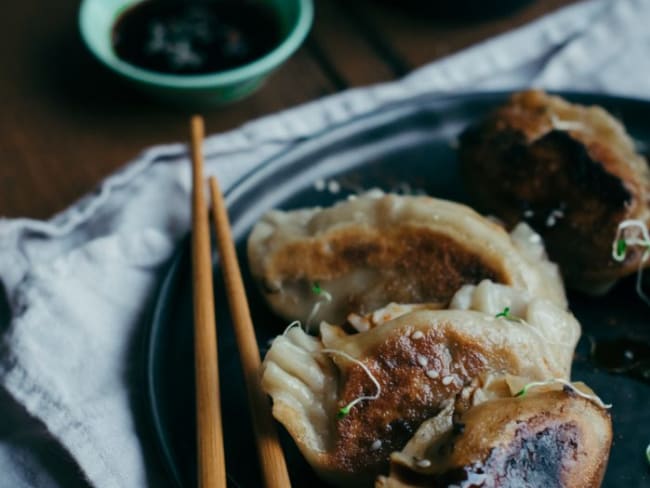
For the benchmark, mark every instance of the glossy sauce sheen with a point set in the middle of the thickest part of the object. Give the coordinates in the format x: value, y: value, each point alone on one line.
x: 624, y: 356
x: 193, y: 36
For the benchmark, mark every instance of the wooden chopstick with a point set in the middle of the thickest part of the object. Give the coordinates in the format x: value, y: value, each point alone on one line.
x: 274, y: 468
x: 209, y: 434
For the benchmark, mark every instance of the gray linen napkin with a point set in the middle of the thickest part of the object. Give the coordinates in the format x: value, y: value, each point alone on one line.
x: 77, y: 286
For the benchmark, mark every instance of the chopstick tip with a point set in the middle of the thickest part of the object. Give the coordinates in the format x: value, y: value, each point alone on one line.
x: 196, y: 122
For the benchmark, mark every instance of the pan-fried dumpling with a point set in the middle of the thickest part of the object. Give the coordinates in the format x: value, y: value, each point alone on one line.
x: 388, y: 380
x: 570, y: 171
x: 546, y: 438
x: 379, y: 248
x: 488, y: 297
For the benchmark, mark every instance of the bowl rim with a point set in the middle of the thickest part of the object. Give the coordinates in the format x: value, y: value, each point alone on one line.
x: 289, y: 44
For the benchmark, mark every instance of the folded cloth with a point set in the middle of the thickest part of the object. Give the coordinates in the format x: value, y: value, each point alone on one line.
x: 77, y: 287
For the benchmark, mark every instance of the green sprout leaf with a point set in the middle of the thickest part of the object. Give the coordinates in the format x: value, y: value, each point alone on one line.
x: 346, y: 410
x: 343, y: 412
x: 522, y: 392
x: 508, y: 316
x: 505, y: 313
x: 621, y: 248
x: 316, y: 289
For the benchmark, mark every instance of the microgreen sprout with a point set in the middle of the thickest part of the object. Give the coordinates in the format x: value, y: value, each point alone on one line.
x: 344, y: 411
x: 565, y: 383
x: 505, y: 314
x: 624, y: 240
x: 621, y: 250
x: 295, y: 323
x: 323, y: 297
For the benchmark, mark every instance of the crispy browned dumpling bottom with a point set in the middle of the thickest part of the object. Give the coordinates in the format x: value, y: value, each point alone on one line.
x: 570, y: 171
x: 554, y: 438
x: 420, y: 360
x: 381, y: 248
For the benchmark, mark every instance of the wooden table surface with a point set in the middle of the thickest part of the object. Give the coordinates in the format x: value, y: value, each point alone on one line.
x: 66, y: 122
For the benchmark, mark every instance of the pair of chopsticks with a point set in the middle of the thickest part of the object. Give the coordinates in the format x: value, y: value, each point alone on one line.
x: 211, y: 458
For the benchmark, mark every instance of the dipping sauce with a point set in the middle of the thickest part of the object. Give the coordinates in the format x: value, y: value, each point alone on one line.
x: 195, y: 36
x: 624, y: 356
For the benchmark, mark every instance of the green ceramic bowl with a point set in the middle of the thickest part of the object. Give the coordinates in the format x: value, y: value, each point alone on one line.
x: 96, y: 21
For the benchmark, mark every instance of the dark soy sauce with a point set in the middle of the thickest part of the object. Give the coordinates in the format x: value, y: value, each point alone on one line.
x: 623, y: 356
x: 194, y: 36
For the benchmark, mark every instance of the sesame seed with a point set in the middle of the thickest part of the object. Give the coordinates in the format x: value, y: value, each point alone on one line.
x: 375, y: 445
x: 528, y: 213
x: 417, y: 335
x: 433, y: 374
x: 535, y: 238
x: 423, y: 463
x: 334, y: 186
x: 422, y: 361
x: 550, y: 221
x: 447, y: 380
x: 319, y: 184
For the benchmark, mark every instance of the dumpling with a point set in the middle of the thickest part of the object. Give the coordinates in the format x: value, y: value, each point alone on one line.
x: 548, y: 437
x: 570, y: 171
x: 322, y: 264
x: 386, y: 381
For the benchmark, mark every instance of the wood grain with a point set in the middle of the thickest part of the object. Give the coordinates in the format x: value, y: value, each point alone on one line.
x: 401, y: 34
x: 66, y: 122
x: 272, y: 462
x: 211, y: 469
x: 346, y: 56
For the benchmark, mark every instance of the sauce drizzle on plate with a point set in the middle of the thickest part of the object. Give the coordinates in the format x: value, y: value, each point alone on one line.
x: 623, y: 356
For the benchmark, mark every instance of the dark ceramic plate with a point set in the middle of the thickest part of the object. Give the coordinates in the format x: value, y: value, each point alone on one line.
x: 410, y: 142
